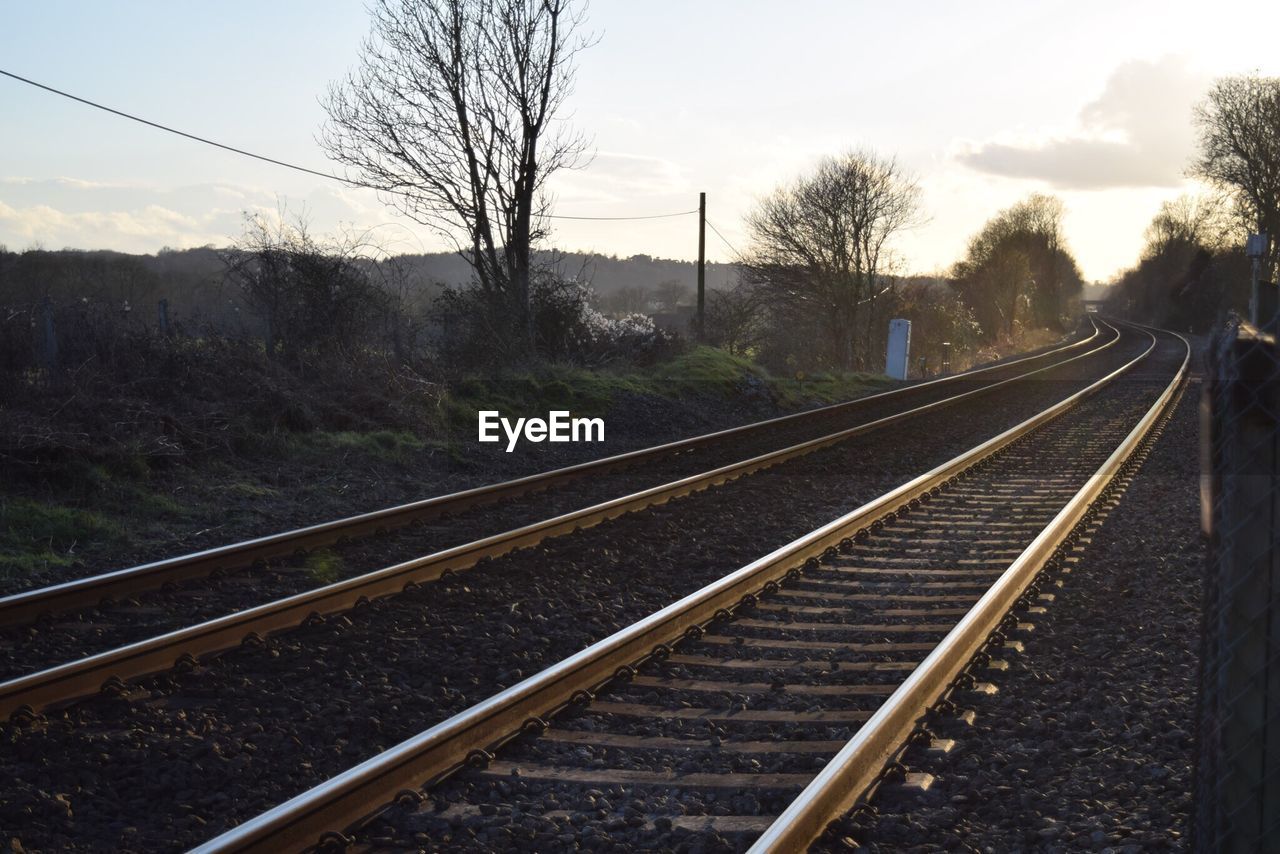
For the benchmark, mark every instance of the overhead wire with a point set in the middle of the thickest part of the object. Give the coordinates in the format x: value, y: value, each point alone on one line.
x: 276, y: 162
x: 723, y: 239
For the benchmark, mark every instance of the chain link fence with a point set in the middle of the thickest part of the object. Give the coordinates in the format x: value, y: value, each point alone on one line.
x: 1237, y: 780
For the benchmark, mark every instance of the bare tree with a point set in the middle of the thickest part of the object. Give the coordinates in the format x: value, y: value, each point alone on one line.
x: 821, y: 246
x: 1018, y: 271
x: 453, y: 115
x: 627, y: 300
x: 1187, y: 221
x: 311, y: 294
x: 670, y: 293
x: 1239, y: 124
x: 736, y: 318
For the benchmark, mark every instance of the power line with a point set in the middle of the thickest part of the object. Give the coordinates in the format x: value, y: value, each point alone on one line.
x: 877, y: 294
x: 616, y: 218
x: 273, y: 160
x: 159, y: 126
x: 723, y: 240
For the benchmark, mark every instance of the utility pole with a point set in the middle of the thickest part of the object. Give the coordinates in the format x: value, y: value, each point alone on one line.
x: 702, y: 265
x: 1255, y: 248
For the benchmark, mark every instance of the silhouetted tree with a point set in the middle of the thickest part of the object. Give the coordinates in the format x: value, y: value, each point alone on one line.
x: 1018, y: 272
x: 1191, y: 270
x: 1239, y: 124
x: 670, y: 293
x: 820, y: 254
x: 312, y: 295
x: 736, y: 318
x: 626, y: 300
x: 453, y: 114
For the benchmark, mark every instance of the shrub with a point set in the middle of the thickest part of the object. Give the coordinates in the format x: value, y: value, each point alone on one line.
x: 475, y: 329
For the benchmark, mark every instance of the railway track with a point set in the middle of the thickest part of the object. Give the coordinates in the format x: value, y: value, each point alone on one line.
x: 761, y: 707
x: 760, y: 444
x: 171, y: 760
x: 184, y: 644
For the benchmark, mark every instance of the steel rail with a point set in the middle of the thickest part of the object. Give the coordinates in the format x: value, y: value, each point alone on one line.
x: 63, y: 683
x: 846, y: 778
x: 354, y: 795
x: 28, y: 605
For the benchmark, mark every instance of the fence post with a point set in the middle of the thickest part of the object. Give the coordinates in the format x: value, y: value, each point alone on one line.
x: 48, y: 336
x: 269, y: 338
x: 1238, y: 765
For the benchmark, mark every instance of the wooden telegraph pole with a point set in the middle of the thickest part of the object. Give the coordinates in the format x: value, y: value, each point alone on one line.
x: 702, y: 265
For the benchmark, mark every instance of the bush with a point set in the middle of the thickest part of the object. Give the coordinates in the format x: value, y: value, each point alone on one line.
x: 476, y: 329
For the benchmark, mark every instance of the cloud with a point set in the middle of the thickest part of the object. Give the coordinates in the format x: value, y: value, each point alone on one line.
x: 612, y: 177
x: 139, y: 230
x: 68, y: 212
x: 1137, y: 133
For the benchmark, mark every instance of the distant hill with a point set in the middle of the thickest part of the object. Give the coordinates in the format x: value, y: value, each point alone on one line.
x: 607, y: 273
x: 192, y: 281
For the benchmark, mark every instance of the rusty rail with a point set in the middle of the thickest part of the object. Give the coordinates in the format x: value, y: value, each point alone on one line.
x: 353, y: 796
x: 846, y: 778
x: 28, y: 605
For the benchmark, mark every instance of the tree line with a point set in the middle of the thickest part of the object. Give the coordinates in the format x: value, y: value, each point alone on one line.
x: 455, y: 114
x: 1193, y: 271
x: 820, y: 278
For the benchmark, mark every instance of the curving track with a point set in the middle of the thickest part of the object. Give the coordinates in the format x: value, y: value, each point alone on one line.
x: 759, y: 707
x: 172, y: 760
x: 109, y: 646
x: 686, y: 457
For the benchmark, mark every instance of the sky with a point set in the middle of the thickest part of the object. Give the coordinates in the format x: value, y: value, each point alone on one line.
x: 984, y: 102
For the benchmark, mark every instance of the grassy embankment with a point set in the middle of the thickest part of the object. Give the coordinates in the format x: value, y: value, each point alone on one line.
x: 116, y: 507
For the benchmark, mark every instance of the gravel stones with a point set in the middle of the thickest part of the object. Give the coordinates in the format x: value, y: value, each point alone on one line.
x: 183, y: 757
x: 1088, y: 744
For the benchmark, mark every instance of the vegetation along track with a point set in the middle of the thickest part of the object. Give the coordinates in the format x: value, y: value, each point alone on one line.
x: 177, y: 758
x: 293, y: 595
x: 760, y: 707
x: 676, y: 459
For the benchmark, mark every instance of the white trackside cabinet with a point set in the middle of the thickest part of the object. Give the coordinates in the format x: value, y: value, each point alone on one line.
x: 899, y: 349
